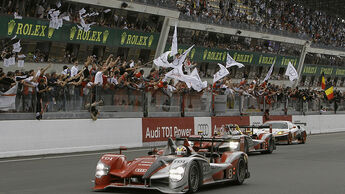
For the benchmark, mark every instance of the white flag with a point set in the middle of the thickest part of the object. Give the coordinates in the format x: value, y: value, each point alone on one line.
x: 179, y: 61
x: 8, y: 99
x: 231, y: 62
x: 58, y: 4
x: 66, y: 18
x: 220, y: 74
x: 162, y: 61
x: 16, y: 47
x: 270, y: 71
x: 196, y: 83
x: 176, y: 73
x: 291, y: 72
x: 21, y: 56
x: 82, y: 15
x: 174, y: 42
x: 131, y: 65
x: 107, y: 10
x: 20, y: 63
x: 11, y: 61
x: 16, y: 16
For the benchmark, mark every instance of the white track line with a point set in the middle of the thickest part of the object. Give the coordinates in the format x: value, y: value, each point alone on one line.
x: 66, y: 156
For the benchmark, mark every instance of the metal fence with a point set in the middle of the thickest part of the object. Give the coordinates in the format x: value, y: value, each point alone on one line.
x: 121, y: 100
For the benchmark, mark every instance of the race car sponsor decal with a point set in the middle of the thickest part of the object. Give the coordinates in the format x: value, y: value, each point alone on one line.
x: 160, y: 129
x: 218, y: 122
x: 140, y: 170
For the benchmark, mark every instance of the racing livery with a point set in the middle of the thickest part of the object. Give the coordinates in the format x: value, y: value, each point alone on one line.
x: 286, y: 132
x: 175, y: 169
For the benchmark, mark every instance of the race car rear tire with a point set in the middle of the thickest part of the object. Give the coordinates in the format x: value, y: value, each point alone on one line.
x: 304, y: 137
x: 194, y: 178
x: 241, y: 171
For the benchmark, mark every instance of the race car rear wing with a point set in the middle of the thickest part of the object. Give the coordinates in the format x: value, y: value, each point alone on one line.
x: 206, y: 139
x: 298, y: 123
x: 250, y: 127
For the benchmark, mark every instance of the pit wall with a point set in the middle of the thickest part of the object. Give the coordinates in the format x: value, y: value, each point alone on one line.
x: 31, y: 137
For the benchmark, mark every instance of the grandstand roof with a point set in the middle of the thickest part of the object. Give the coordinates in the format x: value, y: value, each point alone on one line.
x: 332, y: 7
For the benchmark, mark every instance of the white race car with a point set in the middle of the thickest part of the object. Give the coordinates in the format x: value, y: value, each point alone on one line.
x: 286, y: 132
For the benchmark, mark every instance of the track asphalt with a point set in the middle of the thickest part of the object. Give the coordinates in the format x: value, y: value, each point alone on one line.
x: 316, y: 167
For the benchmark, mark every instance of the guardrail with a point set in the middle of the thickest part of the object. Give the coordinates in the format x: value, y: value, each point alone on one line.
x: 160, y: 102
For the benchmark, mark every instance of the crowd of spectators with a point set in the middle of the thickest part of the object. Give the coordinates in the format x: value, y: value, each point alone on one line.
x: 106, y: 17
x: 84, y: 85
x: 234, y: 42
x: 278, y: 15
x: 320, y: 59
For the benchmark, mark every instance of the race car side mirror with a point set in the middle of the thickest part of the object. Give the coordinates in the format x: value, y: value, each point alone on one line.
x: 122, y: 148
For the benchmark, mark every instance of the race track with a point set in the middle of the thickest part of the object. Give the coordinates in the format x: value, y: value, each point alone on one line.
x: 316, y: 167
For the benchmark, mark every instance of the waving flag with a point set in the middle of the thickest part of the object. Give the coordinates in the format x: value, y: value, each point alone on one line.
x: 291, y: 72
x: 162, y: 61
x: 174, y: 42
x: 220, y: 74
x: 17, y: 47
x: 196, y: 82
x: 329, y: 92
x: 323, y: 81
x: 270, y: 71
x: 179, y: 60
x: 231, y: 62
x: 8, y: 99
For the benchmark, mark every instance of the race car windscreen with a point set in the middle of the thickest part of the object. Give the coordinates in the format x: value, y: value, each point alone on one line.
x: 276, y: 125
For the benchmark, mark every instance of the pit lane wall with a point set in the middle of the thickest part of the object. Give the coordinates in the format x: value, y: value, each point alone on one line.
x: 32, y: 137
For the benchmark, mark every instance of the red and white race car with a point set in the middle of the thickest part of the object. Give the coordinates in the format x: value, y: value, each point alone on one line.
x: 286, y: 132
x: 176, y: 169
x: 241, y: 138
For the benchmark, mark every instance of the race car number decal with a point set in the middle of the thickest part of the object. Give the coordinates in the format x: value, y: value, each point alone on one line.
x: 107, y: 158
x: 140, y: 170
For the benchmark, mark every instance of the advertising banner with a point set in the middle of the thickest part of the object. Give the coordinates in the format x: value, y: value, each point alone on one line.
x: 160, y: 129
x: 203, y: 126
x: 37, y: 29
x: 317, y: 70
x: 214, y: 55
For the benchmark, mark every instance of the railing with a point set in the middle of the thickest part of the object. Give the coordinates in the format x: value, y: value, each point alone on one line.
x: 242, y: 26
x: 161, y: 102
x: 158, y: 3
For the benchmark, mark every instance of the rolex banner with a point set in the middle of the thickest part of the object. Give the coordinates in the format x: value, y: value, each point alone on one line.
x: 214, y: 55
x: 29, y: 28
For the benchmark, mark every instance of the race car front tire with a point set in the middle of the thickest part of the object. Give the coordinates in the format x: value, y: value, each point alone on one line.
x: 241, y: 171
x: 194, y: 177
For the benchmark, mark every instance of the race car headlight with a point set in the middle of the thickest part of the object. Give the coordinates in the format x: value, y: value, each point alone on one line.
x: 101, y: 169
x: 280, y: 132
x: 234, y: 145
x: 176, y: 174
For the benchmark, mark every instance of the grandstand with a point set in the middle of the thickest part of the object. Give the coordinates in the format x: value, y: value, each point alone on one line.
x: 255, y: 33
